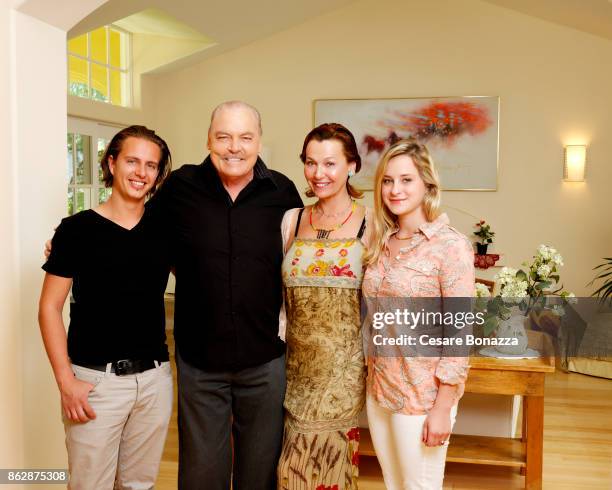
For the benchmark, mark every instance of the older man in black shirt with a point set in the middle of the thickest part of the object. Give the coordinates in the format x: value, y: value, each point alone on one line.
x: 224, y: 217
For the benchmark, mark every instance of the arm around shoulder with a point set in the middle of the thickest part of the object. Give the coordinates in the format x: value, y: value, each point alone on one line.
x: 288, y: 225
x: 369, y: 227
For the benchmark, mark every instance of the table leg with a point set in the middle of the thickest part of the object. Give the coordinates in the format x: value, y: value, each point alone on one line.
x: 534, y: 412
x: 524, y: 427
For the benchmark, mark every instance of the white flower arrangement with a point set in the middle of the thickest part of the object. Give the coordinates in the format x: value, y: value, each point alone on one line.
x: 544, y: 271
x: 506, y: 275
x: 537, y: 279
x: 547, y: 254
x: 481, y: 291
x: 514, y: 289
x: 528, y: 288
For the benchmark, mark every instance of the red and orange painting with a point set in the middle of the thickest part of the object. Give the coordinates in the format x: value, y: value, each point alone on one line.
x: 461, y: 133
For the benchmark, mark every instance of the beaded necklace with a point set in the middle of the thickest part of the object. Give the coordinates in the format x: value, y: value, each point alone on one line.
x: 323, y: 233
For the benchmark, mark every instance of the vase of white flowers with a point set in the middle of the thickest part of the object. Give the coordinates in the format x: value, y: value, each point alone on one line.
x: 512, y: 328
x: 521, y: 292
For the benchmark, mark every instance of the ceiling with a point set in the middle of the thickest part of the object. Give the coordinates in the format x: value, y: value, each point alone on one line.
x: 228, y: 25
x: 592, y: 16
x: 155, y: 22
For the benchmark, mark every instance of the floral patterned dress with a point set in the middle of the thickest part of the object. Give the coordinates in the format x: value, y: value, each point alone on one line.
x: 325, y: 364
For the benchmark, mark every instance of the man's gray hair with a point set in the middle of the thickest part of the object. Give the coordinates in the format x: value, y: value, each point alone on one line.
x: 233, y: 104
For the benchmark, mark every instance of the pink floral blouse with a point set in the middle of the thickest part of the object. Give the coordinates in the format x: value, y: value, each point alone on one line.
x: 437, y: 261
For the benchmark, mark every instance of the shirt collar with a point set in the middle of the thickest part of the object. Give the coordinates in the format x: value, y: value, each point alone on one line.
x: 260, y: 171
x: 429, y: 228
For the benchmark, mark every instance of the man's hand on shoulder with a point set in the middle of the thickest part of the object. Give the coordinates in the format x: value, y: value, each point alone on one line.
x: 47, y: 250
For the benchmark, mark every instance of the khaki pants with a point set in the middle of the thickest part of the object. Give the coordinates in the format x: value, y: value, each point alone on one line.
x: 122, y: 447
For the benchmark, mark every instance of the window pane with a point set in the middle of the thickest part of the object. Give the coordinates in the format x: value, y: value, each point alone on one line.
x: 70, y: 151
x: 103, y: 195
x: 115, y: 49
x: 77, y: 77
x: 125, y: 88
x: 83, y: 156
x: 101, y: 147
x: 78, y: 45
x: 70, y: 202
x: 83, y: 200
x: 103, y: 49
x: 116, y: 80
x: 98, y: 45
x: 99, y: 83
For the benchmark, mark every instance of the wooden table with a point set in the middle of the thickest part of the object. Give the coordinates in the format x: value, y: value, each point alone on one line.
x: 523, y: 377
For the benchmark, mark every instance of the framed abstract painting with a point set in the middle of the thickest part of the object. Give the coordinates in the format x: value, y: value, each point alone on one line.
x: 461, y: 133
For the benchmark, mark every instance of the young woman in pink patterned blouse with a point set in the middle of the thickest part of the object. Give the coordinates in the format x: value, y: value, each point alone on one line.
x: 412, y: 401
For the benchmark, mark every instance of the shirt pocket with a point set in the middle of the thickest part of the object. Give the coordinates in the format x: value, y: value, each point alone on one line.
x: 419, y: 277
x: 420, y: 267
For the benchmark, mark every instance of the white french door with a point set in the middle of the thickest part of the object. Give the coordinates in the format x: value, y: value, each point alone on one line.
x: 86, y: 141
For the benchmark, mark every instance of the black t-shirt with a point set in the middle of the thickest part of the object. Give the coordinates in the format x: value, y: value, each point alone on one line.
x: 228, y: 258
x: 119, y: 278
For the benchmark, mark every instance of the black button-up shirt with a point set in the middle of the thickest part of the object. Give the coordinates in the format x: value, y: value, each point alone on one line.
x: 228, y: 259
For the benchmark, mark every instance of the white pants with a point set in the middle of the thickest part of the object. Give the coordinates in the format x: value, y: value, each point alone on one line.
x: 406, y: 462
x: 122, y: 447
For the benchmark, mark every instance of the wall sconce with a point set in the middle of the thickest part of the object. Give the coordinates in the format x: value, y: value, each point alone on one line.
x: 573, y: 167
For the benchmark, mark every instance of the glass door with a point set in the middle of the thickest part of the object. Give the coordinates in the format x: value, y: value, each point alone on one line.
x: 86, y: 142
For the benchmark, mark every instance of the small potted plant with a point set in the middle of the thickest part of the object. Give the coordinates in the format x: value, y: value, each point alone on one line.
x: 485, y: 236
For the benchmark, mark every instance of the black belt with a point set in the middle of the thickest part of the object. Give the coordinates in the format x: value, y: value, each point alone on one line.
x: 123, y: 367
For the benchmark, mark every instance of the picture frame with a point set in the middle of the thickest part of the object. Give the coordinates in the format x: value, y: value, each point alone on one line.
x: 460, y: 132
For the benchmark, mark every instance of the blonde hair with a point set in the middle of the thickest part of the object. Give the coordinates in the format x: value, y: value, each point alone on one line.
x: 383, y: 220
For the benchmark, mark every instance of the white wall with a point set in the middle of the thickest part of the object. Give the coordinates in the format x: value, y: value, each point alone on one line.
x: 40, y: 201
x: 11, y: 380
x: 553, y: 82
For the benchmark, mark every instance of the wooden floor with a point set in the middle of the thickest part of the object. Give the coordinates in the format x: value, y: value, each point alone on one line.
x: 577, y: 444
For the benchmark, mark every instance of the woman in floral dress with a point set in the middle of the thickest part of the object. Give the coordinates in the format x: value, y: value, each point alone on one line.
x: 322, y: 274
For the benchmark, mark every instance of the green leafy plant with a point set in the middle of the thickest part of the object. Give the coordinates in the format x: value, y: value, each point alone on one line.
x: 604, y: 292
x: 484, y: 233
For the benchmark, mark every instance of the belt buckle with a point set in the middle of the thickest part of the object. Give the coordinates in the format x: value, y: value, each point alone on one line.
x: 122, y: 367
